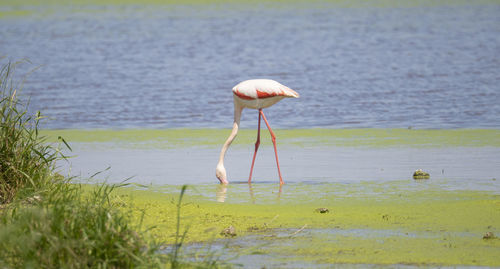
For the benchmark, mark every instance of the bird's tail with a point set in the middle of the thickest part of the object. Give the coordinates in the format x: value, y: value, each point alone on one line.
x: 290, y: 93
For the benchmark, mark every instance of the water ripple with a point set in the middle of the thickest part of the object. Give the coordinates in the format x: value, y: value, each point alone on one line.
x: 174, y: 66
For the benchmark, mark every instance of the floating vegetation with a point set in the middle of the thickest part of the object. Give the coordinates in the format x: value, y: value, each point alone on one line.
x: 322, y: 210
x: 419, y: 174
x: 229, y: 232
x: 489, y: 235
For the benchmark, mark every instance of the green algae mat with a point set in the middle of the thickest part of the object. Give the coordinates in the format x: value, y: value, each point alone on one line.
x: 172, y: 138
x: 341, y: 3
x: 400, y: 222
x: 36, y: 8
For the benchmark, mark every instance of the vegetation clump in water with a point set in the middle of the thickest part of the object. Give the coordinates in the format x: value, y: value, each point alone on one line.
x: 322, y: 210
x: 229, y: 231
x: 489, y: 235
x: 420, y: 174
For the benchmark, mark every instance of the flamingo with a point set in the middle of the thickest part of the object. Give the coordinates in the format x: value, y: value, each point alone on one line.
x: 255, y: 94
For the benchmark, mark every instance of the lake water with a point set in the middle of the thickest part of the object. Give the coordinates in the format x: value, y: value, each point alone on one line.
x: 169, y: 66
x: 453, y: 168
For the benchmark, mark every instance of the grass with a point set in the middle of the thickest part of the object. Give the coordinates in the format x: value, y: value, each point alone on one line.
x: 71, y: 230
x: 26, y: 163
x: 48, y: 222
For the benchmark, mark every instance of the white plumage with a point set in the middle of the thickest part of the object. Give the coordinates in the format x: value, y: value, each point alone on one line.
x: 261, y: 93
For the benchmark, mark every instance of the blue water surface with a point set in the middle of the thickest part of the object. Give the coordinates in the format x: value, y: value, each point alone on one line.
x: 171, y: 66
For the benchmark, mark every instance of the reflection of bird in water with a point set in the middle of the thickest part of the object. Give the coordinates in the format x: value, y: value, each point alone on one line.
x: 256, y: 94
x: 220, y: 194
x: 253, y: 196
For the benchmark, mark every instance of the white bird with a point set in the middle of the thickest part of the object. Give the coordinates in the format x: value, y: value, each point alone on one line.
x: 255, y: 94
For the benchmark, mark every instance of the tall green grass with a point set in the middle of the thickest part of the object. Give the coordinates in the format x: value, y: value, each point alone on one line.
x: 26, y: 161
x: 71, y: 229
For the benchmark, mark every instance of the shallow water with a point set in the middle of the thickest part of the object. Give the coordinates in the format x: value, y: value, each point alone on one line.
x: 472, y: 168
x: 460, y: 159
x: 355, y: 65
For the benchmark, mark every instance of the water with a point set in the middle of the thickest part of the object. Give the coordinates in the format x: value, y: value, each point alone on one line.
x: 451, y: 168
x: 169, y: 66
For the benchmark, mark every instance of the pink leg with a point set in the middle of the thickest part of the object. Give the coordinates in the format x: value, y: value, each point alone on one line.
x: 273, y: 137
x: 257, y: 143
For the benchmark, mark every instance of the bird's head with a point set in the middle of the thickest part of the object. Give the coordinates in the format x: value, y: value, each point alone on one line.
x: 220, y: 173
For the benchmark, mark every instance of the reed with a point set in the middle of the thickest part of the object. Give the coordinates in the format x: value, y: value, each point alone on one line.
x: 26, y: 161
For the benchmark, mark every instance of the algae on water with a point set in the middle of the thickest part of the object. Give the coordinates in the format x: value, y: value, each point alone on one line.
x: 173, y: 138
x: 365, y: 223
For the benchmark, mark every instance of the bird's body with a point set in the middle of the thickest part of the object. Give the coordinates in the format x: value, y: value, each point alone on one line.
x: 261, y: 93
x: 255, y: 94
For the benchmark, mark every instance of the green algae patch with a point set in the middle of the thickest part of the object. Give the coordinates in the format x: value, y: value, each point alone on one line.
x: 362, y: 247
x: 203, y: 219
x: 339, y: 3
x: 54, y: 8
x: 174, y: 138
x: 366, y: 223
x: 14, y: 13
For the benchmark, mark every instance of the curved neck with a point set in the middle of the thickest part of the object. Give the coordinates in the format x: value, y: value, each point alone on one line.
x: 237, y: 116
